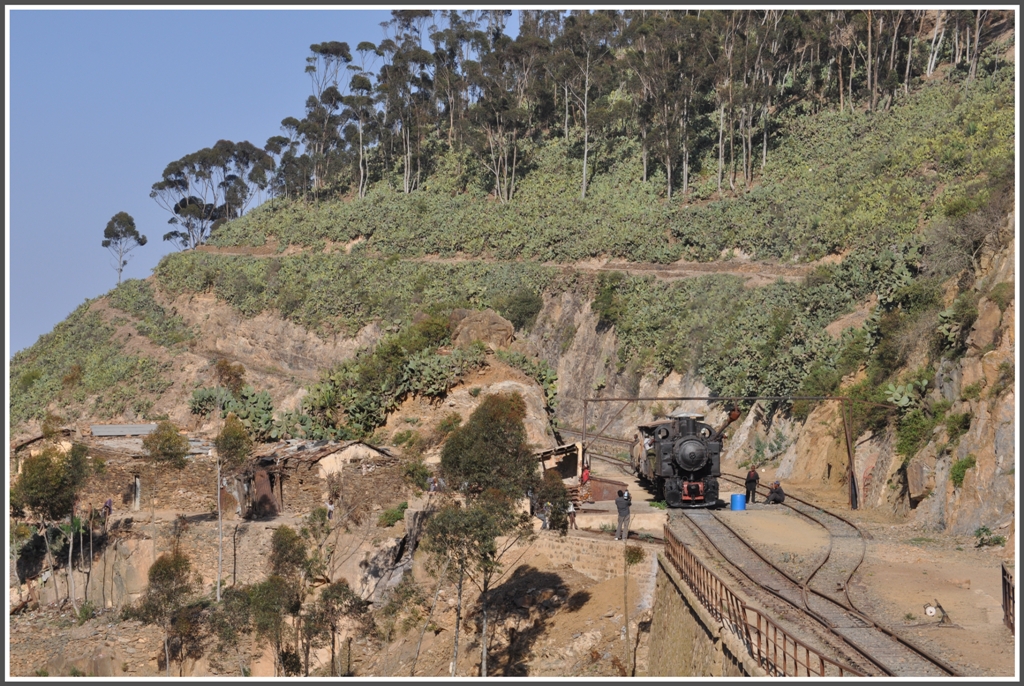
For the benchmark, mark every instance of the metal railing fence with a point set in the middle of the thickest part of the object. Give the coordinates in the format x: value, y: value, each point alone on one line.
x: 778, y: 653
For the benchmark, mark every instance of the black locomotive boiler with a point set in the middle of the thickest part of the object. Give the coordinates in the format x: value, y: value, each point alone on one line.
x: 681, y: 457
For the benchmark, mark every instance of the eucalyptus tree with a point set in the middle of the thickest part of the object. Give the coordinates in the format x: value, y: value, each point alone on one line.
x: 493, y: 467
x: 120, y: 237
x: 635, y: 79
x: 291, y: 177
x: 653, y: 61
x: 233, y: 445
x: 319, y: 129
x: 49, y: 484
x: 359, y: 115
x: 500, y: 114
x: 452, y: 56
x: 210, y: 186
x: 405, y: 90
x: 585, y: 46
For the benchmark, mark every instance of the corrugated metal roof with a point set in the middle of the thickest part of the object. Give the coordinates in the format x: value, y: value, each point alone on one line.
x: 122, y: 429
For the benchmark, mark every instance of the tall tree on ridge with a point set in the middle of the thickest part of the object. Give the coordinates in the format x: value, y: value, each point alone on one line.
x: 120, y: 238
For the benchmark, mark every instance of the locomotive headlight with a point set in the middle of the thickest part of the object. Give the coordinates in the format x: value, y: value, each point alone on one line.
x: 691, y: 454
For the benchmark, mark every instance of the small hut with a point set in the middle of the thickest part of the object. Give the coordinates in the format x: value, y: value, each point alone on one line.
x: 292, y: 475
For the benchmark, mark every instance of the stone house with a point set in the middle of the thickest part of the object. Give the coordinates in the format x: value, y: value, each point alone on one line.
x: 291, y: 476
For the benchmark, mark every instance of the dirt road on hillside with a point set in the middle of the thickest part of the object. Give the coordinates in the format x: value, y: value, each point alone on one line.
x: 755, y: 273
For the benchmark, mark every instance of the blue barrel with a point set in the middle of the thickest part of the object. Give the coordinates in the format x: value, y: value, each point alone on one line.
x: 739, y: 502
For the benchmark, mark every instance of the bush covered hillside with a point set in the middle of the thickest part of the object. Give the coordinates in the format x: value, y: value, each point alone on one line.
x: 831, y: 181
x: 588, y: 136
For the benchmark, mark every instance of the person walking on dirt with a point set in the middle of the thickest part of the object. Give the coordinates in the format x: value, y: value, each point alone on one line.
x: 775, y: 494
x: 622, y: 505
x: 571, y: 511
x: 751, y: 483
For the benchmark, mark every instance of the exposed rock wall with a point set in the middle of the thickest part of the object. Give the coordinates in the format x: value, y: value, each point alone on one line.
x: 686, y: 640
x: 566, y: 335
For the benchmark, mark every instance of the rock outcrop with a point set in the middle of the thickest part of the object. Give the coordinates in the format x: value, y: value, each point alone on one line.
x: 486, y: 326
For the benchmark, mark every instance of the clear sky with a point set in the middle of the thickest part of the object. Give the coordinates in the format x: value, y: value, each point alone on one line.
x: 100, y: 101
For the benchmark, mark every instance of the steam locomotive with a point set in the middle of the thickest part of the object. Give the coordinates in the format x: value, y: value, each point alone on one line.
x: 681, y: 457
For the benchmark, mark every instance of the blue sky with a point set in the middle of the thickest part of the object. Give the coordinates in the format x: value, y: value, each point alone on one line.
x: 101, y: 100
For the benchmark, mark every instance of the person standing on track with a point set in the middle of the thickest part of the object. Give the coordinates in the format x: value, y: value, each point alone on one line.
x: 751, y: 484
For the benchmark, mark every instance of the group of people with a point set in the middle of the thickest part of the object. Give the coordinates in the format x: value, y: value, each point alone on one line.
x: 544, y: 515
x: 776, y: 496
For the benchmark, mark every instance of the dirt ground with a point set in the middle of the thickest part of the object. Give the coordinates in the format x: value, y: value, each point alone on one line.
x: 543, y: 621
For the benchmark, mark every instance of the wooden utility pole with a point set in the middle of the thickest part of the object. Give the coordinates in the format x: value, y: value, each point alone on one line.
x: 220, y: 532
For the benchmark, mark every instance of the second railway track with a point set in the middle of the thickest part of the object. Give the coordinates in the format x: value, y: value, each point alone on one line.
x: 819, y: 591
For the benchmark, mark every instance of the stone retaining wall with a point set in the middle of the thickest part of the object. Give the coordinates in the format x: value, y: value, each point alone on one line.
x: 686, y: 640
x: 596, y: 558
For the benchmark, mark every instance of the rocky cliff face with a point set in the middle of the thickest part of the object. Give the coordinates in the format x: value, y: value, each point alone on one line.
x: 566, y: 335
x: 982, y: 384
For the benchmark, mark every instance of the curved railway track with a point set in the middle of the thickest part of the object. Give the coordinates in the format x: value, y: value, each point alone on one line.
x: 821, y: 592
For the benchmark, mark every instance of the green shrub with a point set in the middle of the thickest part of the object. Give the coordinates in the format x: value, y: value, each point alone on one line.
x: 521, y: 308
x: 607, y: 306
x: 1003, y: 381
x: 109, y: 382
x: 475, y: 391
x: 407, y: 436
x: 135, y: 297
x: 957, y: 425
x: 233, y: 443
x: 538, y: 369
x: 955, y: 325
x: 86, y: 611
x: 28, y: 378
x: 921, y: 294
x: 165, y: 444
x: 450, y: 422
x: 972, y: 392
x: 394, y: 515
x: 1002, y: 295
x: 959, y: 469
x: 985, y: 537
x: 939, y: 408
x: 417, y: 474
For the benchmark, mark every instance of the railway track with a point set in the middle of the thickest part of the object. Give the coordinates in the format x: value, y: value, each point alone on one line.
x: 819, y: 591
x: 831, y: 575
